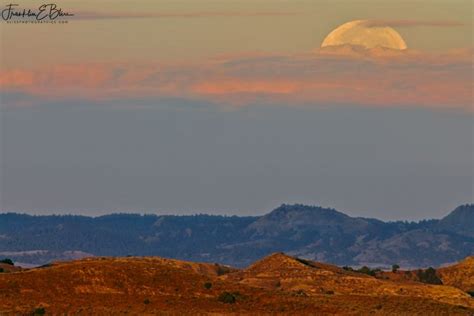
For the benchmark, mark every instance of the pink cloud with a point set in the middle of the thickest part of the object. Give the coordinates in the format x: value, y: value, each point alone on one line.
x: 374, y: 78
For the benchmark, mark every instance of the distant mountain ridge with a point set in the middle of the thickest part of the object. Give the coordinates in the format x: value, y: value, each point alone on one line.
x: 309, y: 232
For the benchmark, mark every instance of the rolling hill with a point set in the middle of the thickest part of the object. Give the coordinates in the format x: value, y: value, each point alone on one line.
x: 277, y: 284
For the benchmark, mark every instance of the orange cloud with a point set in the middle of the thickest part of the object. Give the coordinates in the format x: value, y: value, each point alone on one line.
x: 376, y: 78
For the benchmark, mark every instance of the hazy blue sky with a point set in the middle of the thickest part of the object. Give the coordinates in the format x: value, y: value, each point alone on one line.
x: 387, y: 163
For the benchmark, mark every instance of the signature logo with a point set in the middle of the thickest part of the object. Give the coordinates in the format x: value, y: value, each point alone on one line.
x: 45, y: 13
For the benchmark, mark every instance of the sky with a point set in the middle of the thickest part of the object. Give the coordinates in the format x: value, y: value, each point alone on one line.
x: 232, y: 107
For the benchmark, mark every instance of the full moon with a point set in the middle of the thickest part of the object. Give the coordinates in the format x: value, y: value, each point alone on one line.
x: 362, y: 33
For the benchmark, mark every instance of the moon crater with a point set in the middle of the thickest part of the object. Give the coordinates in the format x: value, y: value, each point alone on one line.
x: 362, y: 33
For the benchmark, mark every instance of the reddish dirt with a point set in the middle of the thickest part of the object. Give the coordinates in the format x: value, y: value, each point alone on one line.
x: 278, y: 284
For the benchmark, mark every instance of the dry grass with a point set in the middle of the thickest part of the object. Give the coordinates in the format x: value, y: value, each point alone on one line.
x: 460, y: 275
x: 278, y: 284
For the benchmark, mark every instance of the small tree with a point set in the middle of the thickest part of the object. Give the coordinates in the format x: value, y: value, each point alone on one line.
x: 39, y: 311
x: 367, y: 270
x: 227, y: 298
x: 395, y: 268
x: 429, y: 276
x: 207, y: 285
x: 7, y: 261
